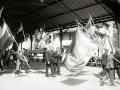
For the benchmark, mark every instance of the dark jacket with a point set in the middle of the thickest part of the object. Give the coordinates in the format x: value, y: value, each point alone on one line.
x: 56, y: 57
x: 116, y: 64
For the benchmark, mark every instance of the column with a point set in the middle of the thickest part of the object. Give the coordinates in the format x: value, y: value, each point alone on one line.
x: 61, y: 37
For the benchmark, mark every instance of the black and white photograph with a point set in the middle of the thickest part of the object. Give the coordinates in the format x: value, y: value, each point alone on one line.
x: 60, y: 44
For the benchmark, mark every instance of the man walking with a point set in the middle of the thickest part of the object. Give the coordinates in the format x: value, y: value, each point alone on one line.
x: 49, y: 62
x: 104, y: 63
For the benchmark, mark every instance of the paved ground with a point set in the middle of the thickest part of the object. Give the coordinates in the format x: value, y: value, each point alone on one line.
x: 36, y: 80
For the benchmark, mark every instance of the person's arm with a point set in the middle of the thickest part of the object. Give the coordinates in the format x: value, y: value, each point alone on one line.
x: 116, y: 59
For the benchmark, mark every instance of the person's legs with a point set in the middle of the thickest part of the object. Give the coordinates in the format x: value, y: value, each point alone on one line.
x: 17, y: 67
x: 58, y: 68
x: 27, y: 67
x: 55, y: 67
x: 104, y: 70
x: 7, y: 62
x: 52, y: 69
x: 47, y: 66
x: 118, y: 72
x: 1, y: 66
x: 114, y: 72
x: 11, y: 63
x: 104, y: 78
x: 111, y: 76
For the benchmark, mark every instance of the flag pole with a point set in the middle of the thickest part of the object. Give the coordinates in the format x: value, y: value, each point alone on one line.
x: 95, y: 28
x: 91, y: 19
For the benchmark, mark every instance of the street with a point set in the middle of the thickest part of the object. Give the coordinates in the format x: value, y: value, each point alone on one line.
x: 88, y: 79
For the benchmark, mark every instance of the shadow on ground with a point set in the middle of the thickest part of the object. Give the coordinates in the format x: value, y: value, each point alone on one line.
x: 73, y: 82
x: 97, y: 75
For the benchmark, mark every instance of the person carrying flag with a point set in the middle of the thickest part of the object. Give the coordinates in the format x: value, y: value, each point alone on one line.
x: 109, y: 69
x: 20, y: 59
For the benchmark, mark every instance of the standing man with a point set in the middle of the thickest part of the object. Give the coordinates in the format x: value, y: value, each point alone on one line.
x: 109, y: 68
x: 116, y: 64
x: 104, y: 63
x: 57, y: 58
x: 49, y: 62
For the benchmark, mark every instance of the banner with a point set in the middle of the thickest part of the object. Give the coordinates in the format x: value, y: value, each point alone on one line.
x: 6, y: 39
x: 19, y: 38
x: 79, y: 52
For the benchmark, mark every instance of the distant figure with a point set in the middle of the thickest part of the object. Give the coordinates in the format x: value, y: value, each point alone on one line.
x: 49, y: 62
x: 57, y: 58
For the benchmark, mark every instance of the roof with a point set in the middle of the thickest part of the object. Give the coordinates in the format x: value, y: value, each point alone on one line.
x: 52, y: 14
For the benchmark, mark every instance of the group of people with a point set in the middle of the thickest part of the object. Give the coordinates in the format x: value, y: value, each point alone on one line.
x: 15, y: 60
x: 110, y: 63
x: 19, y: 58
x: 53, y: 59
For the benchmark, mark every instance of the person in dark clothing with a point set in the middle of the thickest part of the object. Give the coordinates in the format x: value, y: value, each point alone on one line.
x: 116, y: 64
x: 7, y: 59
x: 49, y: 62
x: 57, y: 58
x: 104, y: 63
x: 1, y: 60
x: 15, y: 59
x: 1, y: 65
x: 5, y: 55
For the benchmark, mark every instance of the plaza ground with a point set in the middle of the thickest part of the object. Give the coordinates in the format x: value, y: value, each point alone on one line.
x: 36, y: 80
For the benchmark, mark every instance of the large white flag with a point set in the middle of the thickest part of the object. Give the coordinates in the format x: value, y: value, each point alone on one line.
x: 79, y: 52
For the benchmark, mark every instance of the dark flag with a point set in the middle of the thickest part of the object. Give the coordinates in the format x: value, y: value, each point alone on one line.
x: 20, y: 35
x: 19, y: 38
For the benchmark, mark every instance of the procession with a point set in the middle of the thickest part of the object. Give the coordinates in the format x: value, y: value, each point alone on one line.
x: 48, y: 55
